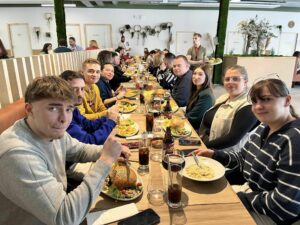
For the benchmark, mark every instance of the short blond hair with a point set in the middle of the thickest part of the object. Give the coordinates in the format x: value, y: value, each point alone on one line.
x: 90, y: 61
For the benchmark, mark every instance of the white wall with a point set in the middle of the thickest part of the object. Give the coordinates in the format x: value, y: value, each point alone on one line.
x: 183, y: 20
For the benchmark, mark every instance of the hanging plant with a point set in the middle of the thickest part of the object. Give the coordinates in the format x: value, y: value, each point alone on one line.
x: 37, y: 31
x: 137, y: 29
x: 127, y: 27
x: 157, y: 30
x: 147, y: 28
x: 169, y: 25
x: 131, y: 31
x: 152, y: 32
x: 122, y: 31
x: 163, y: 26
x: 144, y: 34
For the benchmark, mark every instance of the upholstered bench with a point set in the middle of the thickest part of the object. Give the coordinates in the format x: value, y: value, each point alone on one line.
x: 11, y: 113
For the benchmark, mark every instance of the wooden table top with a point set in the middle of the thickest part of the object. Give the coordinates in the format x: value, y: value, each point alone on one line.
x: 203, y: 202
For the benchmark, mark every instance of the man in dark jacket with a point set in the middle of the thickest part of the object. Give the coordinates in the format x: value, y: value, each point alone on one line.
x: 81, y: 128
x: 119, y: 76
x: 62, y: 46
x: 181, y: 89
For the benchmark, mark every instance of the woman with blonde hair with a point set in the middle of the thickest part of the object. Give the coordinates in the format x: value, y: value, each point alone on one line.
x: 157, y: 61
x: 93, y: 45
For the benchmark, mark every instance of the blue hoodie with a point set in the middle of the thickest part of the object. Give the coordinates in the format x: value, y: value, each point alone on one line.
x: 90, y: 131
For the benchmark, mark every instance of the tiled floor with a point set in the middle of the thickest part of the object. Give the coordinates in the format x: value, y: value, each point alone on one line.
x: 295, y: 92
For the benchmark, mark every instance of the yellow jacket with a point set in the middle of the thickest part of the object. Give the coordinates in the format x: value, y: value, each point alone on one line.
x: 92, y: 106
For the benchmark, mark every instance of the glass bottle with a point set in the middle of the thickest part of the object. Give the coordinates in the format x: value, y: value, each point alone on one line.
x: 168, y: 110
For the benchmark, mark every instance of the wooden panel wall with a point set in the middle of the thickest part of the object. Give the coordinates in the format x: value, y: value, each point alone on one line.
x: 15, y: 74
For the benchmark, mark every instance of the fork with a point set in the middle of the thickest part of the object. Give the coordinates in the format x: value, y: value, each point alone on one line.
x: 196, y: 160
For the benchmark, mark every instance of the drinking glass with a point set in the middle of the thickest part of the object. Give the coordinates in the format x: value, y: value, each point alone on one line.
x: 175, y: 167
x: 156, y: 147
x: 143, y: 155
x: 157, y: 140
x: 149, y: 122
x: 156, y: 189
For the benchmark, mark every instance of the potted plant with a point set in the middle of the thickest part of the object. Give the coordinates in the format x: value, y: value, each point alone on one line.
x: 257, y: 35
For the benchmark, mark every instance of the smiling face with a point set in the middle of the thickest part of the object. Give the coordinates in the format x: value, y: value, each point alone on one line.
x: 180, y: 67
x: 270, y: 109
x: 198, y: 77
x: 234, y: 83
x: 107, y: 72
x: 91, y: 73
x: 49, y: 118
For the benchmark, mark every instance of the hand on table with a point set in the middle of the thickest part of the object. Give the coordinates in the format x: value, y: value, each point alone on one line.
x: 113, y: 113
x: 121, y: 94
x: 204, y: 152
x: 120, y: 88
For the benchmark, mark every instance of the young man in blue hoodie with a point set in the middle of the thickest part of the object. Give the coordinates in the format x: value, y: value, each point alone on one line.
x: 81, y: 128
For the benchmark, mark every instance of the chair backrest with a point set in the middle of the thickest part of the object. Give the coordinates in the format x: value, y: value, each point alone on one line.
x: 11, y: 113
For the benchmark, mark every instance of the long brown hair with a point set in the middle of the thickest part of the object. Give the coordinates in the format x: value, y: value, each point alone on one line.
x: 194, y: 91
x: 276, y: 87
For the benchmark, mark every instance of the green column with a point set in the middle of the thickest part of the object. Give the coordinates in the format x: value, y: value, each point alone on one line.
x: 60, y: 19
x: 221, y: 34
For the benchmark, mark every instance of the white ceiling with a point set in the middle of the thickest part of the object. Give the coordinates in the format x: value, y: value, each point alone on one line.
x: 179, y: 3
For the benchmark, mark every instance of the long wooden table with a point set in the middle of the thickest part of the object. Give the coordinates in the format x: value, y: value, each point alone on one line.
x: 203, y: 202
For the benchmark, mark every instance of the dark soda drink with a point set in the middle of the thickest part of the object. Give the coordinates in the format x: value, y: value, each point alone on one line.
x: 176, y: 161
x: 149, y: 122
x: 156, y: 113
x: 174, y: 193
x: 144, y: 156
x: 142, y: 98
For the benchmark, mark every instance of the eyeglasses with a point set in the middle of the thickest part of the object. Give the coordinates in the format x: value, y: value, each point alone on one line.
x: 233, y: 78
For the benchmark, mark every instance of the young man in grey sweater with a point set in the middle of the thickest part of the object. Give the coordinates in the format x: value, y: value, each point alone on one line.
x: 33, y: 153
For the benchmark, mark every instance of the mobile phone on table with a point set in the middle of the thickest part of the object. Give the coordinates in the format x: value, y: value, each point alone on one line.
x: 132, y: 145
x: 189, y: 142
x: 146, y: 217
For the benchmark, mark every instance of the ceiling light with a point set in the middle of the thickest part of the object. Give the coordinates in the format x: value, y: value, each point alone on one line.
x: 198, y: 4
x: 231, y: 5
x: 254, y: 6
x: 65, y: 5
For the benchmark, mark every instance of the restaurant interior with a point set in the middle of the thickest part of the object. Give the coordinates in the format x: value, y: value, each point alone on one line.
x: 176, y: 172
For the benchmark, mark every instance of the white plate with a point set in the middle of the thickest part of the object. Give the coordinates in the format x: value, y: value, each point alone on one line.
x: 134, y: 107
x: 139, y: 180
x: 215, y: 62
x: 131, y: 93
x: 218, y: 168
x: 136, y: 126
x: 187, y: 127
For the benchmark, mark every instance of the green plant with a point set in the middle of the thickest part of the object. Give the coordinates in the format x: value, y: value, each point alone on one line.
x: 60, y: 19
x: 257, y: 34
